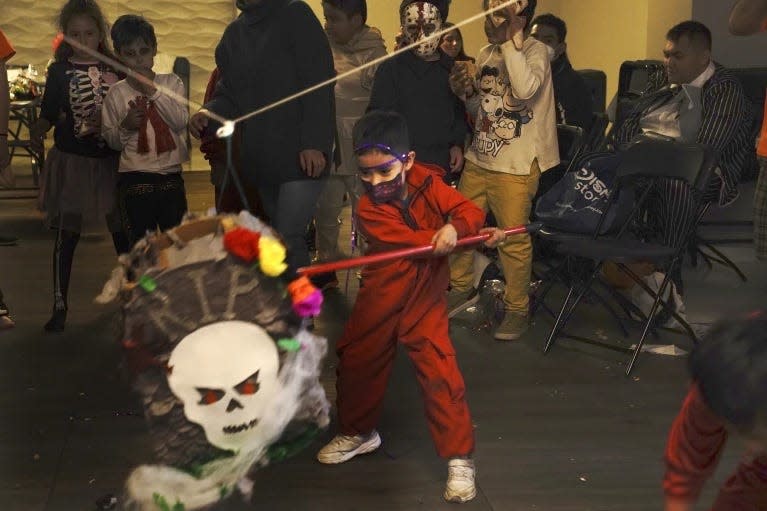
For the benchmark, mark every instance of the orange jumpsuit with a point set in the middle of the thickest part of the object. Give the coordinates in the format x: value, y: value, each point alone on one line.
x: 405, y: 301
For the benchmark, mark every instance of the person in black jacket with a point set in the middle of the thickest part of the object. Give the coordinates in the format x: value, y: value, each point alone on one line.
x: 575, y: 104
x: 415, y: 84
x: 274, y: 49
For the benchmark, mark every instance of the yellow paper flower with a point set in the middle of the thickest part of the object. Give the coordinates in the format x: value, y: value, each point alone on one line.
x: 271, y: 256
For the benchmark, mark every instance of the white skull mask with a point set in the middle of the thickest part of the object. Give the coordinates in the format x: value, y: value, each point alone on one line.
x: 419, y: 21
x: 226, y: 375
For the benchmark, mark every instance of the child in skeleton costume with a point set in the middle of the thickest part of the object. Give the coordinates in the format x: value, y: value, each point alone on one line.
x: 80, y: 174
x: 147, y: 125
x: 415, y: 85
x: 407, y: 204
x: 214, y: 338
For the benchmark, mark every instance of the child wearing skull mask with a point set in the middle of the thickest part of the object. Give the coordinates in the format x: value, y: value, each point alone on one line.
x: 415, y: 84
x: 403, y: 301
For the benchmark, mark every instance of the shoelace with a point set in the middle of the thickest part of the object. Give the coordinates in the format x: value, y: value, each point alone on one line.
x: 462, y: 471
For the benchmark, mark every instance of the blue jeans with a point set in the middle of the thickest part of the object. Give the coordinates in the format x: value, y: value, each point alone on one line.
x: 290, y: 207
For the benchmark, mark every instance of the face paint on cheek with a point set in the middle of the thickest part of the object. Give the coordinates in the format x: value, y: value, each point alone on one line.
x: 420, y: 20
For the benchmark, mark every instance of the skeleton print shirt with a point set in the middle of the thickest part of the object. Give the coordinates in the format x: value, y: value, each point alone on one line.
x: 74, y: 93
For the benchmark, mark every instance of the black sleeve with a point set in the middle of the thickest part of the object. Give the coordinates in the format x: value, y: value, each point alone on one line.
x: 315, y: 65
x: 582, y: 110
x: 459, y: 129
x: 53, y: 96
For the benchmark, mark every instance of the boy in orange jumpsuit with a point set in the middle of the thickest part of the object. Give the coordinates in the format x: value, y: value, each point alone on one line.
x: 729, y: 394
x: 406, y: 204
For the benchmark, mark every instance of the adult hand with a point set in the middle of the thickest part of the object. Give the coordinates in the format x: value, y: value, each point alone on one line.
x: 456, y: 158
x: 444, y: 240
x: 198, y: 122
x: 497, y: 236
x: 135, y: 116
x: 312, y: 162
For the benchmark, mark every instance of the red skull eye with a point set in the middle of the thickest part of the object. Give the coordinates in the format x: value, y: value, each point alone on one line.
x: 210, y: 396
x: 250, y: 386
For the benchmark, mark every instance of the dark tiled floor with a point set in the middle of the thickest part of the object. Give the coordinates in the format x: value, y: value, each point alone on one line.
x: 560, y: 432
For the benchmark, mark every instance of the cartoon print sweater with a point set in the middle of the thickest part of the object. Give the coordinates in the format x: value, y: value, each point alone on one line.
x: 513, y: 110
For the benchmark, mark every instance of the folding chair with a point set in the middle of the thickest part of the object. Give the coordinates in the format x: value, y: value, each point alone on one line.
x: 644, y: 167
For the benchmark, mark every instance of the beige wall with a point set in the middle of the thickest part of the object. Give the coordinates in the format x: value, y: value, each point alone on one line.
x: 730, y: 50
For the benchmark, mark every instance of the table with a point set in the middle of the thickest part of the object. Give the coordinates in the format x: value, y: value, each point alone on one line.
x: 23, y: 114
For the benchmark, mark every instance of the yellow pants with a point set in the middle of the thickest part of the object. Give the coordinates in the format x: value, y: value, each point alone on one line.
x: 510, y: 198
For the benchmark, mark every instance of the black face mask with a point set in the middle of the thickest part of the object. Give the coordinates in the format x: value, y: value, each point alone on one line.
x: 386, y: 191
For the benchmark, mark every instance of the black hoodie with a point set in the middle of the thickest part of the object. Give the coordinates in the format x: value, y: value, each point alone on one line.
x: 273, y: 50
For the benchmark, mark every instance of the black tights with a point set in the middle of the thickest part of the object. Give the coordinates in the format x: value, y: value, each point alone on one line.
x: 63, y: 255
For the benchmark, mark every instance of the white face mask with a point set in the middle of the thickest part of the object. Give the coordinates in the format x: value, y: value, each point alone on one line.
x: 419, y: 21
x: 552, y: 53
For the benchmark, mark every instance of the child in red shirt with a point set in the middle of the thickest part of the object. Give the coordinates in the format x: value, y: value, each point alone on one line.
x: 406, y: 204
x: 729, y: 393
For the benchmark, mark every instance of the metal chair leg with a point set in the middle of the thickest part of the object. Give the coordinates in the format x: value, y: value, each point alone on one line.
x: 724, y: 260
x: 648, y: 324
x: 555, y: 329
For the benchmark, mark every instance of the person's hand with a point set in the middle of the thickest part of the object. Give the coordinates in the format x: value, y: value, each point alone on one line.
x: 37, y: 135
x: 5, y: 155
x: 497, y: 236
x: 444, y: 240
x: 312, y: 162
x: 511, y: 29
x: 456, y: 158
x: 198, y: 122
x: 134, y: 118
x: 461, y: 81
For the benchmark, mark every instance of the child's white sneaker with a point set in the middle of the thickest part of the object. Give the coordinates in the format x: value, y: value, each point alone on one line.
x: 460, y: 480
x: 343, y: 448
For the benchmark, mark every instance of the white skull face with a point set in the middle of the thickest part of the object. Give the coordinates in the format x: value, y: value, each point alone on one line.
x: 226, y: 375
x: 419, y: 21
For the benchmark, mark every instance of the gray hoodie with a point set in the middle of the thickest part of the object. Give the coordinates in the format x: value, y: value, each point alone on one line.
x: 353, y: 92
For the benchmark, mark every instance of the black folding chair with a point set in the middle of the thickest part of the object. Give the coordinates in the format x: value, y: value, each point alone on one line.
x: 644, y: 167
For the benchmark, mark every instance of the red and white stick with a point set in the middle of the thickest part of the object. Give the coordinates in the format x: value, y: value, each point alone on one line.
x: 355, y: 262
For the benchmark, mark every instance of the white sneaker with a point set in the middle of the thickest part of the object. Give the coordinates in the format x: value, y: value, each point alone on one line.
x: 460, y: 481
x: 343, y: 448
